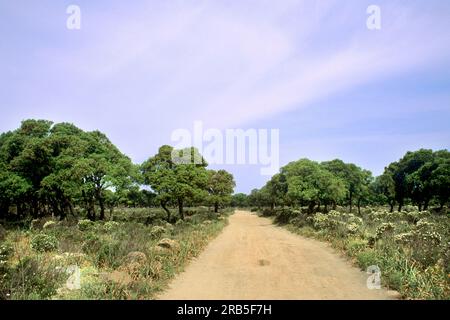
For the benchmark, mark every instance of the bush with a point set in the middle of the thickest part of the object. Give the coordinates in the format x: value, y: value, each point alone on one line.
x: 111, y: 225
x: 352, y: 228
x: 49, y: 225
x: 424, y: 242
x: 355, y: 246
x: 6, y: 251
x: 385, y: 229
x: 157, y: 231
x: 367, y: 258
x: 85, y: 224
x: 299, y: 221
x: 32, y: 280
x: 283, y: 216
x: 268, y: 212
x: 43, y: 242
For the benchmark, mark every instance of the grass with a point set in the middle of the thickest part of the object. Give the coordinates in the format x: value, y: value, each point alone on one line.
x: 118, y: 259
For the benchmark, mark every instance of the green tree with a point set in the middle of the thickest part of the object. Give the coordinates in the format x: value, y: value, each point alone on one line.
x: 311, y: 183
x: 176, y: 176
x: 384, y: 187
x: 220, y: 188
x: 407, y: 187
x: 354, y: 177
x: 239, y: 200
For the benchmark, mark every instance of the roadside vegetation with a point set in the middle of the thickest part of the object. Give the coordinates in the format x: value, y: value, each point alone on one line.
x: 70, y: 200
x: 124, y: 258
x: 398, y: 221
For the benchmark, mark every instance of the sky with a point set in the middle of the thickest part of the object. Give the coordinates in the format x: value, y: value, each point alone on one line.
x: 139, y: 70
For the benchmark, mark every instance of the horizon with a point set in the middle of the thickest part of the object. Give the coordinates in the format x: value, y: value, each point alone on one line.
x: 138, y: 72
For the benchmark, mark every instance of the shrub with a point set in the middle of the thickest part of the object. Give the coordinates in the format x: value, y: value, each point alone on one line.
x: 43, y: 242
x: 108, y: 254
x: 299, y: 221
x: 6, y: 251
x: 367, y: 258
x: 110, y: 225
x: 424, y: 242
x: 284, y: 215
x: 85, y: 224
x: 352, y: 228
x: 267, y: 212
x: 49, y: 225
x: 386, y: 228
x: 157, y: 232
x: 321, y: 221
x: 31, y: 280
x: 355, y: 246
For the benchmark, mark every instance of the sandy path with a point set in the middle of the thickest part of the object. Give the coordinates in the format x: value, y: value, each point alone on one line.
x: 253, y: 259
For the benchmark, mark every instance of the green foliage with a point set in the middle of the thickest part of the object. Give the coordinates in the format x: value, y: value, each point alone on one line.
x: 33, y: 280
x: 6, y: 251
x: 43, y: 243
x: 220, y: 186
x: 85, y: 224
x: 111, y: 226
x: 240, y: 200
x: 367, y: 258
x: 179, y: 176
x: 157, y: 231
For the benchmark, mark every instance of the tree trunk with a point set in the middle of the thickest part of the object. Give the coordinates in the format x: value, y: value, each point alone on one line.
x: 334, y: 205
x: 163, y: 205
x: 359, y: 206
x: 216, y: 207
x: 180, y: 209
x: 102, y: 209
x: 101, y: 202
x: 91, y: 210
x: 392, y: 206
x: 311, y: 206
x: 425, y: 204
x: 72, y: 212
x: 4, y: 209
x: 400, y: 205
x: 34, y: 208
x: 351, y: 201
x: 420, y: 206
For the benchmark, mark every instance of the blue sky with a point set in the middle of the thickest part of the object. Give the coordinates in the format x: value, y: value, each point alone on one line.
x: 139, y: 70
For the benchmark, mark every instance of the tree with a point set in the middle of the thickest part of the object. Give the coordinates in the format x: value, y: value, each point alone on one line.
x: 354, y: 177
x: 440, y: 178
x: 276, y: 189
x: 60, y: 164
x: 256, y: 198
x: 408, y: 187
x: 240, y: 200
x: 220, y: 187
x: 175, y: 177
x: 311, y: 183
x: 384, y: 187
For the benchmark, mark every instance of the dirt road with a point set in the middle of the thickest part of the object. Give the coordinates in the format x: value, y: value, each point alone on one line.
x: 253, y: 259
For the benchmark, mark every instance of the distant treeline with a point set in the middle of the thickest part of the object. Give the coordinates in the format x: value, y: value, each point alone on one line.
x: 61, y: 170
x: 420, y: 178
